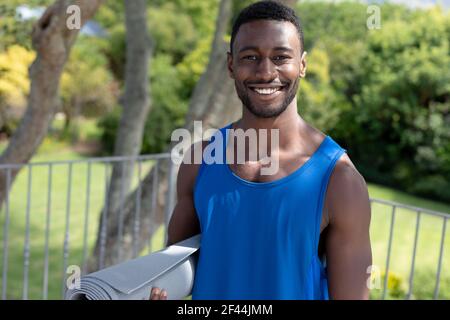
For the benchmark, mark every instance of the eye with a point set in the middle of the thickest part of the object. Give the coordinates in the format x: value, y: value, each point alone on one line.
x: 280, y: 58
x: 249, y: 57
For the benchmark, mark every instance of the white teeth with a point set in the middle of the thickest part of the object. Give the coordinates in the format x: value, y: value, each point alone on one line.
x: 266, y: 90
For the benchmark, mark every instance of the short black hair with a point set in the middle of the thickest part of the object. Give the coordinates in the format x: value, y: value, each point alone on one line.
x: 267, y: 10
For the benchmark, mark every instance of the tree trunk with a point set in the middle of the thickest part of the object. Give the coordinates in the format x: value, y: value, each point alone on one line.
x: 136, y: 105
x: 52, y: 40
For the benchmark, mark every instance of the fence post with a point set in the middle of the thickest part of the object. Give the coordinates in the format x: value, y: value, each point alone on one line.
x: 170, y: 197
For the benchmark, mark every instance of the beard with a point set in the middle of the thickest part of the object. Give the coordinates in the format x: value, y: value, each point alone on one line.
x: 262, y: 111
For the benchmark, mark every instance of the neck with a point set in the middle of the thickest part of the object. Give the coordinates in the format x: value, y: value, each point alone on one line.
x: 289, y: 123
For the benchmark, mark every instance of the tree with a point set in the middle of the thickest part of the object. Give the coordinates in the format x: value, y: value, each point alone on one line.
x: 397, y: 128
x: 52, y: 40
x: 136, y: 106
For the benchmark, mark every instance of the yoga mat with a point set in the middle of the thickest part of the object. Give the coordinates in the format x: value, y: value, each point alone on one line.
x: 172, y: 269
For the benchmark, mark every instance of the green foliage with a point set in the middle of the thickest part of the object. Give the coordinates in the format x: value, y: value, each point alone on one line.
x: 167, y: 110
x: 14, y: 31
x: 111, y: 14
x: 318, y: 103
x: 202, y: 13
x: 108, y: 125
x: 14, y: 85
x: 87, y: 87
x: 398, y: 127
x: 425, y: 283
x: 193, y: 66
x: 395, y: 284
x: 14, y: 82
x: 383, y: 94
x: 115, y: 51
x: 173, y: 32
x: 176, y: 26
x: 343, y: 21
x: 182, y: 34
x: 396, y: 287
x: 333, y: 32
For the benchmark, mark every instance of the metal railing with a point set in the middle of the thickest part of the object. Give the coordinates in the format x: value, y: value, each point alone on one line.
x: 95, y: 172
x: 419, y: 212
x: 70, y: 192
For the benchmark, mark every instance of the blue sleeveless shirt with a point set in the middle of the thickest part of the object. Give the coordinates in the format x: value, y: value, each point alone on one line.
x: 259, y: 240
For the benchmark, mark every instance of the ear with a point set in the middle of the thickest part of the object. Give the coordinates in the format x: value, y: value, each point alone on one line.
x: 230, y: 65
x: 303, y: 65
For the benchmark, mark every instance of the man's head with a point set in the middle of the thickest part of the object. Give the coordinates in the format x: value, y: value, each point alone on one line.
x: 266, y: 57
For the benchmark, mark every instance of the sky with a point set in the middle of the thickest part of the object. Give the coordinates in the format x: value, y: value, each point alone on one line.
x: 419, y: 3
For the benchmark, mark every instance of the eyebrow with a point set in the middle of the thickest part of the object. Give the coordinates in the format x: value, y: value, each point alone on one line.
x: 281, y: 48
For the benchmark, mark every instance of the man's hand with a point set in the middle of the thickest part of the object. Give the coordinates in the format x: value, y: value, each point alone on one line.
x: 158, y: 294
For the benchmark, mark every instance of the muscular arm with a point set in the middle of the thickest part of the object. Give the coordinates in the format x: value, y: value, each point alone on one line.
x: 348, y: 247
x: 184, y: 222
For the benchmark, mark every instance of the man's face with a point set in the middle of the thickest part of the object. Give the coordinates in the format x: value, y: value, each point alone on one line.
x: 266, y: 64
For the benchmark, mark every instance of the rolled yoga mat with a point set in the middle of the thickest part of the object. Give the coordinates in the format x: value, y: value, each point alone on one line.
x: 172, y: 269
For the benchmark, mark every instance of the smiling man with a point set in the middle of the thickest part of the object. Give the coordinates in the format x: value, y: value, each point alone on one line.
x: 301, y: 233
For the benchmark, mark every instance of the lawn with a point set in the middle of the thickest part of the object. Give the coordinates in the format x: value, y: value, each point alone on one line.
x: 53, y: 151
x: 427, y: 252
x: 428, y: 246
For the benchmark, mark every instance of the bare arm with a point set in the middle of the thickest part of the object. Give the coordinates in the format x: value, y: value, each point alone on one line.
x: 348, y: 241
x: 183, y: 222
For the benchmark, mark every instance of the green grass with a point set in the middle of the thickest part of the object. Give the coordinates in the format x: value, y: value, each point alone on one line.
x: 428, y: 247
x: 52, y: 150
x: 426, y: 260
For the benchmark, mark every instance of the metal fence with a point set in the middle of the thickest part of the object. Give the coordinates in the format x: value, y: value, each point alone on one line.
x: 49, y: 199
x: 419, y: 213
x: 68, y: 195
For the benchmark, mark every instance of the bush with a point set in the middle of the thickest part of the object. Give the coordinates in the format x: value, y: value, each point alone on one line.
x: 402, y: 109
x: 108, y: 125
x: 14, y: 85
x: 396, y: 288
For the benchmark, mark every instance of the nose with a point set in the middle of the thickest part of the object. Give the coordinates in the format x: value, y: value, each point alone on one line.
x: 266, y: 70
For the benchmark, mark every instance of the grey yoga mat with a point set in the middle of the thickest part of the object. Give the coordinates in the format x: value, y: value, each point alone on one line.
x: 172, y: 269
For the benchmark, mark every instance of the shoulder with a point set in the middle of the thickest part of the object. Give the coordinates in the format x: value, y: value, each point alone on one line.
x: 347, y: 194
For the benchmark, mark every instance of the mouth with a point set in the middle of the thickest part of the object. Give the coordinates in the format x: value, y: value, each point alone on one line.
x: 266, y: 91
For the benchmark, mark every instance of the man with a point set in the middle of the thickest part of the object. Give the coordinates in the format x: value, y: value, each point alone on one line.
x: 263, y: 236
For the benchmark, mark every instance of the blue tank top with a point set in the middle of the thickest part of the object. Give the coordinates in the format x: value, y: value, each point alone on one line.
x: 259, y: 240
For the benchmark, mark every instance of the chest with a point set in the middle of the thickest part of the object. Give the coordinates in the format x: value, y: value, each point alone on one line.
x: 280, y: 166
x: 251, y: 171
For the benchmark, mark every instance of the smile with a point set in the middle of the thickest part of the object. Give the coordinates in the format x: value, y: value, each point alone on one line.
x: 266, y: 91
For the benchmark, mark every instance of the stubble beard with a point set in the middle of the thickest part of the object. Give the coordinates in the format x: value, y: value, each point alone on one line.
x: 261, y: 112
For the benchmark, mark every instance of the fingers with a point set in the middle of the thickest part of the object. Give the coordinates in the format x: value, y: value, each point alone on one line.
x: 158, y: 294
